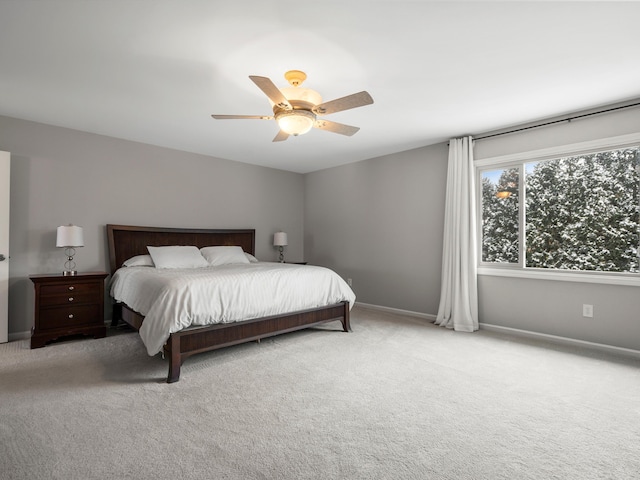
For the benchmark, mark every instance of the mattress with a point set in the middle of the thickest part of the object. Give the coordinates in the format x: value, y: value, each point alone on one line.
x: 175, y: 299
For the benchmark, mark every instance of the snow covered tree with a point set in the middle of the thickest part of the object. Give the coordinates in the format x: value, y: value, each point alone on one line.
x: 582, y: 213
x: 500, y: 218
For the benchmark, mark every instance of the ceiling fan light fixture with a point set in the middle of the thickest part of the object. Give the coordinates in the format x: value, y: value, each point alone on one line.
x: 295, y: 122
x: 295, y: 108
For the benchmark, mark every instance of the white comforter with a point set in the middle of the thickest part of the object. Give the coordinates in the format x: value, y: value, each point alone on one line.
x: 175, y: 299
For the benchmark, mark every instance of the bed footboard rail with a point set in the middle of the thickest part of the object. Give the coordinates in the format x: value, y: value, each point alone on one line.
x: 192, y: 341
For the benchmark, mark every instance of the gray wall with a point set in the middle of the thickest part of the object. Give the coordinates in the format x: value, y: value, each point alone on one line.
x: 380, y: 223
x: 61, y: 176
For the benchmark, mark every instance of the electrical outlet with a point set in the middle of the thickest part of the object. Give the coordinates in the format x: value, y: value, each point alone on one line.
x: 350, y: 282
x: 587, y: 310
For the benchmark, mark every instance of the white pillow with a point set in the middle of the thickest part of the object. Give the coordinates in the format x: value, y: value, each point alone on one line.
x: 224, y: 255
x: 139, y: 261
x: 251, y: 258
x: 177, y: 256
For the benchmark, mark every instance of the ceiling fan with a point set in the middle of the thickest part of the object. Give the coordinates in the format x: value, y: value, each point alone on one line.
x: 296, y: 108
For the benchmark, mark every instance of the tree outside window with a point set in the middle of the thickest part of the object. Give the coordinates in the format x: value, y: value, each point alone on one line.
x: 581, y: 212
x: 500, y: 216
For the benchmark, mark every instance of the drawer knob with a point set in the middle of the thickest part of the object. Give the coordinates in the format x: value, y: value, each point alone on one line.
x: 71, y: 299
x: 72, y: 287
x: 71, y: 315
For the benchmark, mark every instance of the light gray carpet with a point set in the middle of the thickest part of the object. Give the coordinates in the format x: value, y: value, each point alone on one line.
x: 398, y: 398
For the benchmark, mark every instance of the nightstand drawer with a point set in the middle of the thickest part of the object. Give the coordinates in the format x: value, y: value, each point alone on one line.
x: 70, y: 288
x: 72, y: 298
x: 63, y: 317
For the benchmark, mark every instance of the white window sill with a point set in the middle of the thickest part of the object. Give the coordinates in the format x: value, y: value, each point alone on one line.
x: 562, y: 276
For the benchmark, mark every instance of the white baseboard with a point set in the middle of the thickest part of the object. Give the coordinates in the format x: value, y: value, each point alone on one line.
x: 561, y: 340
x: 516, y: 332
x: 483, y: 326
x: 410, y: 313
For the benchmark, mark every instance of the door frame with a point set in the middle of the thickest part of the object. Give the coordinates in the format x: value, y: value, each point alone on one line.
x: 5, y: 181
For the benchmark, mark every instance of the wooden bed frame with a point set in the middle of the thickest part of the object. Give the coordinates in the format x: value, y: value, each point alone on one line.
x: 126, y: 241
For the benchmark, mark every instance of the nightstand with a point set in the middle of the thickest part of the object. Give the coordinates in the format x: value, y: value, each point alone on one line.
x: 68, y: 305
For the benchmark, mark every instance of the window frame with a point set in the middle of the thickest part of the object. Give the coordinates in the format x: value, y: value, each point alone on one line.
x: 518, y: 160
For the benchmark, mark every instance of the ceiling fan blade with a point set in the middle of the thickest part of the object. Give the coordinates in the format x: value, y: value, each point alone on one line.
x: 281, y: 136
x: 242, y: 117
x: 335, y: 127
x: 355, y: 100
x: 270, y: 90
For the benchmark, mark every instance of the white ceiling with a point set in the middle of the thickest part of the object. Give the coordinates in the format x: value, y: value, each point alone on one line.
x: 154, y: 71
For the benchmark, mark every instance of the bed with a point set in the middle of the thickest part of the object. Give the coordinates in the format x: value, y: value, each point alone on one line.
x: 126, y: 242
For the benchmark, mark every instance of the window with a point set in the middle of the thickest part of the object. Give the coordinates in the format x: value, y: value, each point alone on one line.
x: 571, y: 212
x: 500, y: 216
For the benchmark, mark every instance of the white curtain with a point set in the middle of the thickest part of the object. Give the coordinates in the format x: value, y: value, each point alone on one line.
x: 459, y: 295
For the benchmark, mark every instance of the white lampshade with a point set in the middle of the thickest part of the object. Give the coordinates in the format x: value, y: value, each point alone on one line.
x: 280, y: 239
x: 70, y: 236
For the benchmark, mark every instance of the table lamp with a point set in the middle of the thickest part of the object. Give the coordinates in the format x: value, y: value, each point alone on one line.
x: 280, y: 241
x: 69, y: 237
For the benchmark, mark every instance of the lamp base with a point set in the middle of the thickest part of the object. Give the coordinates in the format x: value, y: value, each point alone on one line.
x: 69, y: 265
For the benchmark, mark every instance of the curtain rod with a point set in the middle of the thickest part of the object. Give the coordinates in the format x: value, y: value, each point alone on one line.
x: 558, y: 121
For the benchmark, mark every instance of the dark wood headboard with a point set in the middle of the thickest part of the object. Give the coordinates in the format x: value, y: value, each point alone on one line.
x: 126, y: 241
